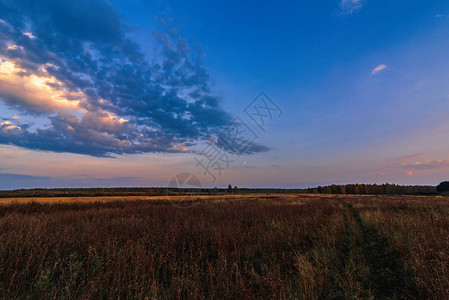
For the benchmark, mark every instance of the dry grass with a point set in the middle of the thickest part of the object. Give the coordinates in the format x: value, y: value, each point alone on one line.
x: 252, y: 246
x: 419, y: 229
x: 173, y: 198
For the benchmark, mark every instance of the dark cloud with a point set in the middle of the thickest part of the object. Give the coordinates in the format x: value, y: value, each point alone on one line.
x: 15, y: 181
x: 9, y: 181
x: 127, y: 104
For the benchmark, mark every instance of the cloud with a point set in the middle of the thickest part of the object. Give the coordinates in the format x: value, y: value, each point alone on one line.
x: 29, y: 34
x: 97, y: 91
x: 411, y: 156
x: 409, y: 169
x: 378, y: 69
x: 37, y: 93
x: 8, y: 126
x: 10, y: 181
x: 436, y: 164
x: 350, y: 6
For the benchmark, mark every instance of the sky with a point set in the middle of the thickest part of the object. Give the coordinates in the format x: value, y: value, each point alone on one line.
x: 97, y: 93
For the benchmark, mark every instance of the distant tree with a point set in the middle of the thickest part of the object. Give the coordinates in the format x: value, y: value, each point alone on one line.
x: 327, y: 190
x: 236, y: 190
x: 334, y: 189
x: 229, y: 189
x: 443, y: 187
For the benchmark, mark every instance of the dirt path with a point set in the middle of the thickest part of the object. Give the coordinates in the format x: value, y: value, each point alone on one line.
x: 369, y: 266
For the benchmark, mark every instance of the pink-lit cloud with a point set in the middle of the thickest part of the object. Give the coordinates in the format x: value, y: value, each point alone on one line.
x: 436, y: 164
x: 378, y: 69
x: 38, y: 92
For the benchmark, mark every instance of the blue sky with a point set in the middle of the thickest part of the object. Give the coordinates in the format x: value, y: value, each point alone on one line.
x: 129, y: 93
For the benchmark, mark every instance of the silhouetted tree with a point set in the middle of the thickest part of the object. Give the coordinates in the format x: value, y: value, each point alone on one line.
x: 443, y: 187
x: 327, y: 190
x: 229, y: 189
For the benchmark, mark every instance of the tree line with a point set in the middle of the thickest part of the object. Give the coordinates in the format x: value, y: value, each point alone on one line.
x: 374, y: 189
x: 360, y: 189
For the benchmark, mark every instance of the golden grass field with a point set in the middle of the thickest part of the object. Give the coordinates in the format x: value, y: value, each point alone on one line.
x: 173, y: 198
x: 227, y: 246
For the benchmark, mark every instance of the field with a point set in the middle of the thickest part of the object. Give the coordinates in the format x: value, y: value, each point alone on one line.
x: 234, y: 247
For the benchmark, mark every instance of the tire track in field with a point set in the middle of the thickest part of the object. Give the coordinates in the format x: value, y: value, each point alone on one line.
x: 368, y: 260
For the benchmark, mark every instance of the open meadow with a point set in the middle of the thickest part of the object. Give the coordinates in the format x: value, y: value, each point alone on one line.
x: 228, y: 246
